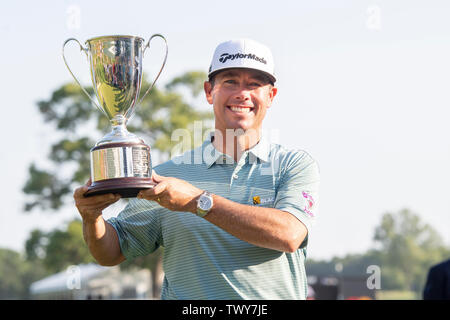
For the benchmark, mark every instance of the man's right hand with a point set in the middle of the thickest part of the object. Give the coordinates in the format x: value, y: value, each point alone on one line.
x: 91, y: 208
x: 101, y: 238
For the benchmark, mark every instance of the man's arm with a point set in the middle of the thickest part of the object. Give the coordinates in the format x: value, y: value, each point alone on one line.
x: 103, y: 242
x: 99, y: 235
x: 264, y: 227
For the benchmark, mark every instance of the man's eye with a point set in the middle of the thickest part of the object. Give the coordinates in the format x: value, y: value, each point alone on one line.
x: 230, y: 81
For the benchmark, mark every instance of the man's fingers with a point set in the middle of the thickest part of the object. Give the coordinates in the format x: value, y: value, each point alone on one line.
x: 104, y: 204
x: 153, y: 193
x: 104, y: 198
x: 159, y: 188
x: 99, y: 199
x: 80, y: 191
x: 156, y: 177
x: 93, y: 211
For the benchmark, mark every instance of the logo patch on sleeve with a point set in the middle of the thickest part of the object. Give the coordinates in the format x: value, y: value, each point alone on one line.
x: 309, y: 203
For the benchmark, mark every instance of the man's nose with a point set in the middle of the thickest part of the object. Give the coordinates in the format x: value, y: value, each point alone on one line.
x: 242, y: 93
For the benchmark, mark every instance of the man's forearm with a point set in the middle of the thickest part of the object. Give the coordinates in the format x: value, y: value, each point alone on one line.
x: 102, y: 241
x: 265, y: 227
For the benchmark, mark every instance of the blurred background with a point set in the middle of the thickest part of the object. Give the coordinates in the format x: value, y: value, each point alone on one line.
x: 363, y: 87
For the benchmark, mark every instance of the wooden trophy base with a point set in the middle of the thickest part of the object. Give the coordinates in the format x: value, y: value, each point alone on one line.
x: 126, y: 187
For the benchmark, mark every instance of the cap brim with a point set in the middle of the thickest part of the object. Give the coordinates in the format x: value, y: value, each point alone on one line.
x: 215, y: 72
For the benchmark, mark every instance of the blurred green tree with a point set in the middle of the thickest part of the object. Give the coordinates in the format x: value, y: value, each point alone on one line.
x: 58, y: 249
x: 408, y: 248
x: 16, y: 274
x: 11, y: 286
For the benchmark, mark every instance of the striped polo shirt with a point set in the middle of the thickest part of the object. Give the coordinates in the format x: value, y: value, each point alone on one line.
x: 201, y: 260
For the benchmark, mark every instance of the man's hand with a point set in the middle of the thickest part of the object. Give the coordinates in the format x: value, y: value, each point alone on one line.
x: 91, y: 208
x: 172, y: 193
x: 101, y: 238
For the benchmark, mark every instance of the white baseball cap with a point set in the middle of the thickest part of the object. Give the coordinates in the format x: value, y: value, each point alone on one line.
x: 242, y: 53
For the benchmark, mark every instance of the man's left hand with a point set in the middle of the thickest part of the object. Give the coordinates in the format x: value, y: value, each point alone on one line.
x: 172, y: 193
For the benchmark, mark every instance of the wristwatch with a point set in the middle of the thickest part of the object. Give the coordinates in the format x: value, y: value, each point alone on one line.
x: 204, y: 204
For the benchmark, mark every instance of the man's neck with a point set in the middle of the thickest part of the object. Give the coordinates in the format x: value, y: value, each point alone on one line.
x: 235, y: 142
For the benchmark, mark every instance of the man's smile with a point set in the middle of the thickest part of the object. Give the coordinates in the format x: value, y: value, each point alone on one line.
x: 240, y: 108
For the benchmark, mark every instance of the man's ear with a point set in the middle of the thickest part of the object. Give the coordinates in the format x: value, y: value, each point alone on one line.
x: 272, y: 93
x: 207, y: 86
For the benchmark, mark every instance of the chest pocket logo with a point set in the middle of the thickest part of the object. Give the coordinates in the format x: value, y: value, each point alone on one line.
x: 263, y: 200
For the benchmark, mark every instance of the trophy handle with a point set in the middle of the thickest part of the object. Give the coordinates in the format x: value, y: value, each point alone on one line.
x: 162, y: 67
x: 68, y: 68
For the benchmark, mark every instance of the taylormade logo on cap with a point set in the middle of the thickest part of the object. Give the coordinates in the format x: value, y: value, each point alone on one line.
x: 224, y: 57
x: 243, y: 53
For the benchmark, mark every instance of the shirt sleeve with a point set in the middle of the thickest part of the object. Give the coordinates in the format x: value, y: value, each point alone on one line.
x: 298, y: 191
x: 138, y: 228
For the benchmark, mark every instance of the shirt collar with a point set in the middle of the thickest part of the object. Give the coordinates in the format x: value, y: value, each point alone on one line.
x: 211, y: 155
x: 261, y: 150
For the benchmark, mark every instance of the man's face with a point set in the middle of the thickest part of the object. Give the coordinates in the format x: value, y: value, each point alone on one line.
x: 240, y: 98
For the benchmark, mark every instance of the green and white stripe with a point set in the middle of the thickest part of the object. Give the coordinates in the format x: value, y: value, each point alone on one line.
x: 202, y: 261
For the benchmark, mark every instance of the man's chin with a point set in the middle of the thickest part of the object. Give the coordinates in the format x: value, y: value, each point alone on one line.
x: 241, y: 127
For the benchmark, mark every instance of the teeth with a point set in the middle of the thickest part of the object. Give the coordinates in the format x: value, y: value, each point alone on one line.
x: 239, y: 109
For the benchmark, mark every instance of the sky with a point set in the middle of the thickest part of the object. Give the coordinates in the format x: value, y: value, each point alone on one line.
x: 363, y: 86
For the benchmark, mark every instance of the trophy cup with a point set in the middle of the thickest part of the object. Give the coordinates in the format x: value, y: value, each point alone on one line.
x: 120, y: 161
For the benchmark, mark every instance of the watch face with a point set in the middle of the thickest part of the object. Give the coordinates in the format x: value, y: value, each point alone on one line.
x: 204, y: 203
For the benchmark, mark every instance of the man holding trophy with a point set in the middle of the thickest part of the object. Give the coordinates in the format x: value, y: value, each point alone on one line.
x: 233, y: 215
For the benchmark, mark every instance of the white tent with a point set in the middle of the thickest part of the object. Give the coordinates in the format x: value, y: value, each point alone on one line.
x: 92, y: 281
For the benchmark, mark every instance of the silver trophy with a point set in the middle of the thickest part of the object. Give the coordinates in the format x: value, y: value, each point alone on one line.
x: 120, y: 161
